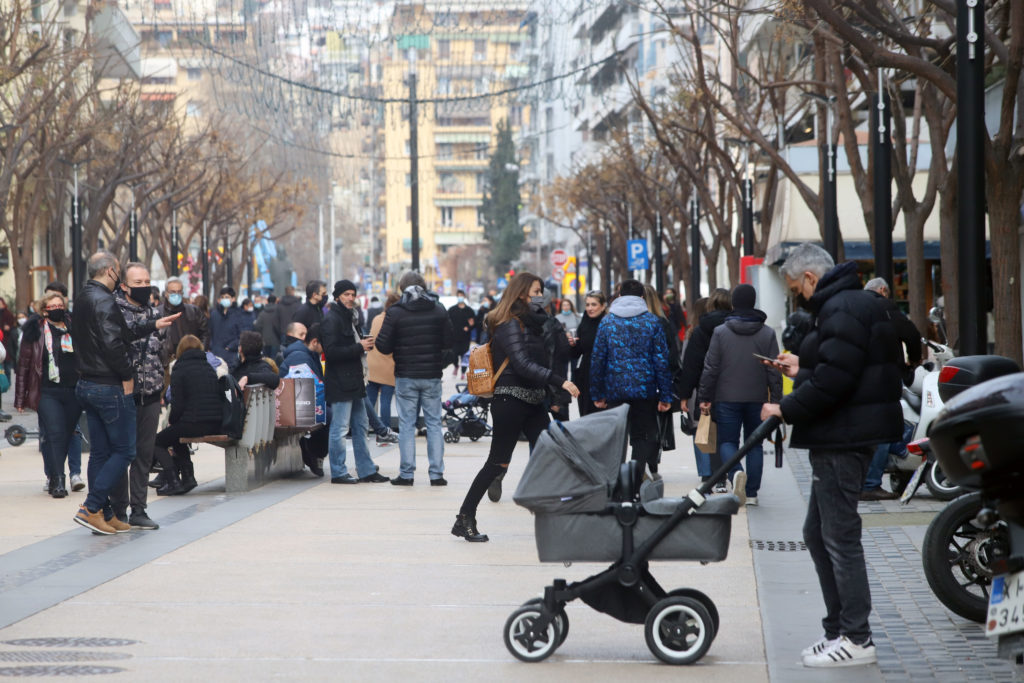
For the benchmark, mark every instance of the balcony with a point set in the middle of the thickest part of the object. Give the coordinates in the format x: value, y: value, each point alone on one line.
x: 117, y: 44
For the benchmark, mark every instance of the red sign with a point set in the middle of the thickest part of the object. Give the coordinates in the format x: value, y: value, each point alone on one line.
x: 559, y: 257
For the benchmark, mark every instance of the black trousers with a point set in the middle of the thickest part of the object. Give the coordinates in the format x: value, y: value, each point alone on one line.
x: 644, y: 431
x: 511, y: 417
x: 133, y: 488
x: 170, y: 437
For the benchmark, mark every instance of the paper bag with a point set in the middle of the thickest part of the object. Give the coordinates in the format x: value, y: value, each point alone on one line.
x: 706, y: 438
x: 303, y: 370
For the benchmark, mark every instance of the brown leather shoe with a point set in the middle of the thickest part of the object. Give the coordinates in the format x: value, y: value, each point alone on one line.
x: 94, y: 521
x: 119, y: 526
x: 877, y: 494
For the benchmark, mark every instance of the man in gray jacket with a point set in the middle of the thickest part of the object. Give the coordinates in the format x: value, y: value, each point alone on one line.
x: 735, y: 384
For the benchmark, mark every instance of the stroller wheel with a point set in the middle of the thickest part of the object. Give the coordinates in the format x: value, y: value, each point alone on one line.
x: 709, y: 605
x: 525, y: 642
x: 16, y: 435
x: 561, y: 619
x: 678, y: 630
x: 474, y: 439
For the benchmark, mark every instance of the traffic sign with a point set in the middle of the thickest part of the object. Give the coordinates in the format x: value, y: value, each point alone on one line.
x: 637, y: 250
x: 558, y: 273
x: 559, y: 257
x: 502, y: 283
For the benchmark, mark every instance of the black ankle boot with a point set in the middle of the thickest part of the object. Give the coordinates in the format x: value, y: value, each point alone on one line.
x: 58, y: 488
x: 188, y: 472
x: 465, y: 527
x: 157, y: 481
x: 172, y: 485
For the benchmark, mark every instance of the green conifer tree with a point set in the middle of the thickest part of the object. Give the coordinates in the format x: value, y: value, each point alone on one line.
x: 501, y: 203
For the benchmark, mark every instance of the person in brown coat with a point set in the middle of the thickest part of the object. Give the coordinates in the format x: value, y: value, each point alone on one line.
x: 380, y: 375
x: 47, y: 375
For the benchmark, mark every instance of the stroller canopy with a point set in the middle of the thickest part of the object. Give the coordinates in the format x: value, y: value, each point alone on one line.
x: 575, y: 464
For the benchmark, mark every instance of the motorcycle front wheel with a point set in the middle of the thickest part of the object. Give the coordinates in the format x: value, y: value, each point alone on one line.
x: 956, y: 554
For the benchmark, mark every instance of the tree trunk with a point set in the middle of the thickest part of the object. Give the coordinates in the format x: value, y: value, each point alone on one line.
x: 948, y: 235
x: 914, y: 221
x: 1004, y: 223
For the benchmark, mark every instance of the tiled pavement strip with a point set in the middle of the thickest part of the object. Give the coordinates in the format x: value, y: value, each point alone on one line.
x: 917, y: 638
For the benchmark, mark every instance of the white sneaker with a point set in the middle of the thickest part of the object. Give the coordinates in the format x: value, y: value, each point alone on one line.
x: 843, y: 652
x: 820, y: 646
x: 752, y: 501
x: 76, y: 483
x: 739, y: 486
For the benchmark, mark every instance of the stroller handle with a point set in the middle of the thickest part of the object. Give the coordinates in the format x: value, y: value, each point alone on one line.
x: 758, y: 435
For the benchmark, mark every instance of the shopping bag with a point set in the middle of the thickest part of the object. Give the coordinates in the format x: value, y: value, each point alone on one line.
x: 707, y: 434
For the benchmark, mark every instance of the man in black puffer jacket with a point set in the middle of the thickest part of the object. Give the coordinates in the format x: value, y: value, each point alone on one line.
x: 345, y: 386
x: 418, y: 333
x: 845, y: 401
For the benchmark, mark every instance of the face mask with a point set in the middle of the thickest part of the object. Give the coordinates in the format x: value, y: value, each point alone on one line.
x: 802, y: 302
x: 670, y: 298
x: 537, y: 302
x: 174, y: 299
x: 462, y: 299
x: 258, y: 306
x: 139, y: 294
x: 56, y: 315
x: 117, y: 279
x: 22, y: 321
x: 225, y: 302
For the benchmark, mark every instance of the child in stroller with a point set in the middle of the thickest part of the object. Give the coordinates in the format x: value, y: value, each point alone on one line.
x: 590, y: 506
x: 465, y: 415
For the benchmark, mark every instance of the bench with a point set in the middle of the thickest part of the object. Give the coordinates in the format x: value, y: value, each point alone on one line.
x: 264, y: 451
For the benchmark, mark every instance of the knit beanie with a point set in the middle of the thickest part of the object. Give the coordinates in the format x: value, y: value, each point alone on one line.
x: 743, y: 297
x: 342, y: 286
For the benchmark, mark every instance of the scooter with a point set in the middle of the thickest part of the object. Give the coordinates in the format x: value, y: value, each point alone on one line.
x: 921, y: 403
x: 976, y: 441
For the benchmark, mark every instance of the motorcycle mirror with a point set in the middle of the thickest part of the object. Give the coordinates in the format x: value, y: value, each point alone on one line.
x: 935, y: 315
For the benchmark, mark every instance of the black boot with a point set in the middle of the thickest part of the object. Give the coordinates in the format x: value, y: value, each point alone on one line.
x: 172, y: 485
x: 157, y: 481
x: 465, y: 527
x: 58, y: 488
x: 188, y: 472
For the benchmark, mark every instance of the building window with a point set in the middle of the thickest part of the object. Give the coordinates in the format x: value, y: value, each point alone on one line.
x: 444, y: 86
x: 479, y: 50
x: 408, y: 179
x: 194, y: 74
x: 482, y: 153
x: 480, y: 216
x: 445, y: 151
x: 481, y: 183
x: 192, y: 109
x: 444, y: 49
x: 408, y: 215
x: 447, y: 216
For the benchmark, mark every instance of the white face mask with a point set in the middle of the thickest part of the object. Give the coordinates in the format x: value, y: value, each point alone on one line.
x: 225, y: 302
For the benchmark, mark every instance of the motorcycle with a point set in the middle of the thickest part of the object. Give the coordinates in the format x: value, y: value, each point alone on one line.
x: 973, y: 553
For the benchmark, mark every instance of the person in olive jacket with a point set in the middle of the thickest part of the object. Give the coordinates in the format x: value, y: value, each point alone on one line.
x: 516, y: 326
x: 845, y: 401
x: 345, y: 386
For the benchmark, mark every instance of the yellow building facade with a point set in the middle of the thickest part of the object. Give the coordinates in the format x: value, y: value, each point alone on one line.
x: 458, y: 72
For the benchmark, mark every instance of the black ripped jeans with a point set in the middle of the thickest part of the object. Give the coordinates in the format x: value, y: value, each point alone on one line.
x: 510, y: 417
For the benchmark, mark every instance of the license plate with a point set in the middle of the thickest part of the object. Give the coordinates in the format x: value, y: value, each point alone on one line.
x: 1006, y: 605
x: 915, y: 481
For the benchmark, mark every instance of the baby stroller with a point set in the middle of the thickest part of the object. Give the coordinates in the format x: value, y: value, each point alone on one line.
x: 465, y: 415
x: 590, y: 506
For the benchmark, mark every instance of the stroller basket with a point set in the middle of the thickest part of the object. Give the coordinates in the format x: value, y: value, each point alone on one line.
x: 703, y: 537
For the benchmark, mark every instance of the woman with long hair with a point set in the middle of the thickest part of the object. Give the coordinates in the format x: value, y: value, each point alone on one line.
x: 654, y: 305
x: 47, y: 374
x: 595, y: 307
x: 516, y: 327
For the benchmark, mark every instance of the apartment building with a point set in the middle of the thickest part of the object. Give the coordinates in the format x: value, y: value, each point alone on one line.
x: 461, y: 54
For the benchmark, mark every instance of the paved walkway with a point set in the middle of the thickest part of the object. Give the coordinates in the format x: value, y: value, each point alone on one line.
x: 306, y: 580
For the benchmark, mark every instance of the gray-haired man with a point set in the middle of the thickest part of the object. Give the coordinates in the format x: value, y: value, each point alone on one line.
x: 845, y: 401
x: 192, y: 320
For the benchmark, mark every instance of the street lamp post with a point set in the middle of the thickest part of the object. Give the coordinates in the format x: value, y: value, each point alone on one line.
x: 206, y: 260
x: 333, y: 253
x: 695, y: 247
x: 747, y: 198
x: 76, y: 238
x: 882, y: 142
x: 174, y: 242
x: 414, y: 187
x: 133, y: 232
x: 829, y: 197
x: 970, y: 181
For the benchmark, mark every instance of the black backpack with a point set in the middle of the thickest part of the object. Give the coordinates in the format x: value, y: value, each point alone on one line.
x: 233, y: 406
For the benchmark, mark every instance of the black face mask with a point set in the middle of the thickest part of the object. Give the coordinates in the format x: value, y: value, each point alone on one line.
x: 117, y: 280
x: 56, y: 315
x: 140, y: 295
x: 802, y: 302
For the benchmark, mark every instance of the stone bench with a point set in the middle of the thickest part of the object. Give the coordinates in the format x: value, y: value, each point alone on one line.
x: 264, y: 451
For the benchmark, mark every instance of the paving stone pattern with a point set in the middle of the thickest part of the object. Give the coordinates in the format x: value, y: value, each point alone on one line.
x: 916, y: 637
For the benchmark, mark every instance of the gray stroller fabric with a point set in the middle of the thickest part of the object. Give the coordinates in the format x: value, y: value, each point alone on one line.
x: 703, y: 536
x: 574, y: 465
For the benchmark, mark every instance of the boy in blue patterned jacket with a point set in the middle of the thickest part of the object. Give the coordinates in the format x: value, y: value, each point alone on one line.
x: 630, y: 365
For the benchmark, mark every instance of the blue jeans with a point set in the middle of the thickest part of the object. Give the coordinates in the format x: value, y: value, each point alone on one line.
x: 703, y: 462
x: 386, y: 393
x: 112, y: 428
x: 411, y: 396
x: 343, y: 415
x: 59, y: 410
x: 879, y: 460
x: 75, y: 452
x: 731, y: 417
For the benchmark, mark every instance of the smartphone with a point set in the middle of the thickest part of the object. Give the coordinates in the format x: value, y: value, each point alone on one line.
x: 773, y: 361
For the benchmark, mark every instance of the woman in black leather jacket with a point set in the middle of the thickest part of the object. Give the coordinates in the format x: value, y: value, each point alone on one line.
x: 516, y: 327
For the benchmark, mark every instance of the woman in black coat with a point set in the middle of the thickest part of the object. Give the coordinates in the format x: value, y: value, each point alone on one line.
x: 196, y: 410
x: 516, y: 326
x: 595, y: 307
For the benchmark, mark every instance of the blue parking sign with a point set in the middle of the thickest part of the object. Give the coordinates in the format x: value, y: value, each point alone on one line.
x: 637, y: 250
